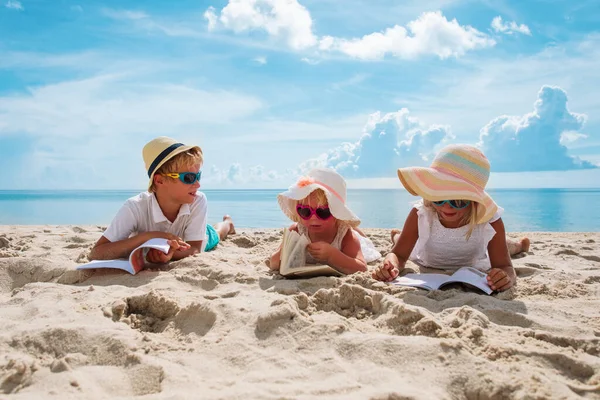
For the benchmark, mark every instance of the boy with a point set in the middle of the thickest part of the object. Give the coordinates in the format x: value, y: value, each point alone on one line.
x: 172, y: 209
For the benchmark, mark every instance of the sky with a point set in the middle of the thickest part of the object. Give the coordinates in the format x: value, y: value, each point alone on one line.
x: 272, y: 88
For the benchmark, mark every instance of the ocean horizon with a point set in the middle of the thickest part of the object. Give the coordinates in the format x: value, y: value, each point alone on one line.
x: 552, y: 210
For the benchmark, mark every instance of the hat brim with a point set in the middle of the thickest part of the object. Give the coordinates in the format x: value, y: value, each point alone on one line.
x: 434, y: 185
x: 287, y: 202
x: 179, y: 150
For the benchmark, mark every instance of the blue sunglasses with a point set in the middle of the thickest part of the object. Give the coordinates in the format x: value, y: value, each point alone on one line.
x: 189, y: 178
x: 456, y: 204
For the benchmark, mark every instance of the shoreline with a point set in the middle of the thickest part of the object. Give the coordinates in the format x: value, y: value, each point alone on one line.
x: 222, y: 322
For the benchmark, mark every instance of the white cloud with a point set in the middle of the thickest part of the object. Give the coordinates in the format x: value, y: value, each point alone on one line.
x: 113, y: 105
x: 286, y: 19
x: 532, y: 142
x: 310, y: 61
x: 14, y: 5
x: 569, y: 137
x: 388, y: 142
x: 237, y: 174
x: 430, y: 34
x: 260, y: 60
x: 510, y: 27
x: 211, y: 18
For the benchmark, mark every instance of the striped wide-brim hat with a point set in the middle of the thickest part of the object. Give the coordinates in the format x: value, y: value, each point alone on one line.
x: 458, y: 172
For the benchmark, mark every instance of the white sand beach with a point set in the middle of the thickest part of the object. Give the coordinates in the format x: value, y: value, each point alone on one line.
x: 219, y: 325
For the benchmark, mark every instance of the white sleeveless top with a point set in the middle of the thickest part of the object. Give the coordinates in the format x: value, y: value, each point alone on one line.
x: 447, y: 248
x: 366, y: 246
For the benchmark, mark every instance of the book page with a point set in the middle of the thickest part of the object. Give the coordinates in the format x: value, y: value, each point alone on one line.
x: 293, y: 258
x: 424, y: 281
x: 118, y: 264
x: 136, y: 261
x: 471, y: 276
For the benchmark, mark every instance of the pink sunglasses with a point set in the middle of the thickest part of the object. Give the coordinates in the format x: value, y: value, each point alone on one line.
x: 305, y: 212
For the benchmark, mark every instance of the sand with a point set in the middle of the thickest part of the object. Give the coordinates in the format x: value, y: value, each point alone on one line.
x: 219, y: 325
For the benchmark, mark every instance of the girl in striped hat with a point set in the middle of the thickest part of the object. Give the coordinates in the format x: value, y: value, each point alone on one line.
x: 457, y: 224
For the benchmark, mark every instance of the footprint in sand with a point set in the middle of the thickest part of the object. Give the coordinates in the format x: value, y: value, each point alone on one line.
x: 244, y: 241
x: 155, y: 313
x: 68, y: 351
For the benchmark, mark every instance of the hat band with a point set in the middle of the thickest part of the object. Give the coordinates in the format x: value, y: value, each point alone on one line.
x: 162, y: 156
x: 329, y: 188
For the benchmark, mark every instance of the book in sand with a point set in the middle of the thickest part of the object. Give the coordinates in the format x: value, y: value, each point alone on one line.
x: 466, y: 275
x: 137, y: 258
x: 293, y: 258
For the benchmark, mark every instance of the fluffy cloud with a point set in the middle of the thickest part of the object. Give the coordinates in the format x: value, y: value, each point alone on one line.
x: 278, y: 18
x: 532, y: 142
x: 510, y: 27
x: 389, y: 141
x: 430, y: 34
x: 14, y: 5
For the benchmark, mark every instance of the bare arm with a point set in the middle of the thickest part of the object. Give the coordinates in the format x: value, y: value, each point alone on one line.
x: 275, y: 260
x: 104, y: 249
x: 395, y: 261
x: 350, y: 258
x: 500, y: 260
x: 195, y: 248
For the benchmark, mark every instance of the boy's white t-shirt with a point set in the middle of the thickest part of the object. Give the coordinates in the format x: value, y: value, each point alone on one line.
x: 142, y: 213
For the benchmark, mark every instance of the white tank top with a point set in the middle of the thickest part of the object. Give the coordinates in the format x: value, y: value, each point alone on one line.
x: 447, y: 248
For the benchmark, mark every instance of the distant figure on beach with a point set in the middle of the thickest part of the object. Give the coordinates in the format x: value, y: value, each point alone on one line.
x: 317, y: 205
x: 172, y: 209
x: 456, y: 224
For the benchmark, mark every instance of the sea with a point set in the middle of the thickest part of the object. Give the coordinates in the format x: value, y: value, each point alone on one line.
x: 526, y: 210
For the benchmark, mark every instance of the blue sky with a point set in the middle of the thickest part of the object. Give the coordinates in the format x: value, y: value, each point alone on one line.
x: 269, y: 88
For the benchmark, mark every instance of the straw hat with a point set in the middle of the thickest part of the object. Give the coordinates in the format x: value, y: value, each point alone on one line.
x: 458, y: 172
x: 160, y: 150
x: 331, y: 183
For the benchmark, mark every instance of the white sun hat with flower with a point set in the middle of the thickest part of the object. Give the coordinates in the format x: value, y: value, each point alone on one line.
x: 326, y: 179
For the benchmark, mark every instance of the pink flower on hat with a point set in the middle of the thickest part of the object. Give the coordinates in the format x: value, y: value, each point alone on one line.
x: 305, y: 181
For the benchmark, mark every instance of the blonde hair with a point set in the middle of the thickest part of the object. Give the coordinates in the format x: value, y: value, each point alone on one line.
x: 317, y: 195
x: 469, y: 218
x: 177, y: 163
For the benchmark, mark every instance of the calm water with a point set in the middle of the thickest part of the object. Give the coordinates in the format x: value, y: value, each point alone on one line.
x: 563, y: 210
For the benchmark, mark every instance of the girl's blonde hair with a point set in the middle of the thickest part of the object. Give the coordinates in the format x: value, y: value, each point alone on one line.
x: 177, y: 163
x: 469, y: 218
x: 317, y: 195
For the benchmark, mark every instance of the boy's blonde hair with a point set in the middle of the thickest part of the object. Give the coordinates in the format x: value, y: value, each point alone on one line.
x: 177, y: 163
x: 469, y: 218
x: 318, y: 196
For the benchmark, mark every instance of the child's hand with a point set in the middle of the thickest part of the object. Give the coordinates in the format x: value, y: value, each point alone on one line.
x: 321, y: 251
x: 158, y: 257
x: 498, y: 280
x: 386, y: 272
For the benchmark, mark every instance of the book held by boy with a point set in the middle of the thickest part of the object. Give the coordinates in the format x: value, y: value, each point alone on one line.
x: 137, y: 258
x: 293, y: 258
x: 466, y: 275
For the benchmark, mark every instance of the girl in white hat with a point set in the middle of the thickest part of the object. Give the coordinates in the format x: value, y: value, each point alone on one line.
x: 317, y: 205
x: 457, y: 224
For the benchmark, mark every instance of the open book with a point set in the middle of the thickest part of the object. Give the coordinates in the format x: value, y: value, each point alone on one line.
x: 293, y: 258
x: 137, y: 258
x: 466, y: 275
